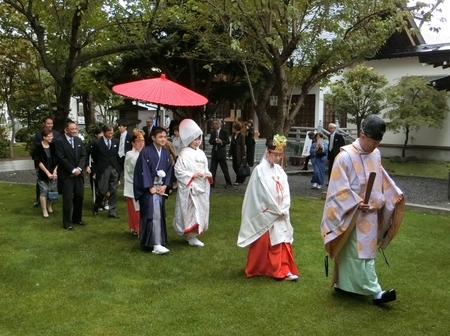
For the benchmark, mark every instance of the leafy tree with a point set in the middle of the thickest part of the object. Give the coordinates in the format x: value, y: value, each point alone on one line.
x: 70, y: 34
x: 413, y: 104
x: 357, y: 94
x: 300, y: 44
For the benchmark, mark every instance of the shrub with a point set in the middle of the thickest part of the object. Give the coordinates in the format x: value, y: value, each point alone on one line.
x: 24, y: 134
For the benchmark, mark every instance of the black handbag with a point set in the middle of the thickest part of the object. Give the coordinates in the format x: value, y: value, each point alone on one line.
x: 244, y: 169
x: 52, y: 195
x: 320, y: 153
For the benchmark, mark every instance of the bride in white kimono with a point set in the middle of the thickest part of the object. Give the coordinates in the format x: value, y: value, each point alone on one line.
x: 194, y: 179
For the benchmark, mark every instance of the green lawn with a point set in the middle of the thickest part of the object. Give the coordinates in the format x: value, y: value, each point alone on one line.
x: 420, y: 168
x: 97, y: 281
x: 20, y: 151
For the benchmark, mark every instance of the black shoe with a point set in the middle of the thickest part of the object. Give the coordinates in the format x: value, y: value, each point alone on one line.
x: 228, y: 186
x: 114, y: 216
x: 69, y: 227
x: 81, y: 223
x: 36, y: 204
x: 387, y: 296
x: 338, y: 290
x: 95, y: 213
x: 304, y: 168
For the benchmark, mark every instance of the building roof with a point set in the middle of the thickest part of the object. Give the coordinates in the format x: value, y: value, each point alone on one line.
x: 405, y: 44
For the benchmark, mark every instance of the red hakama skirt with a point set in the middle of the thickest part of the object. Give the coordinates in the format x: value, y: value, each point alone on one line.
x: 133, y: 216
x: 274, y: 261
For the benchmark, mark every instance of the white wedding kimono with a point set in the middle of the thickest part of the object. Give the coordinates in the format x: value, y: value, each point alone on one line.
x: 266, y: 206
x: 192, y: 205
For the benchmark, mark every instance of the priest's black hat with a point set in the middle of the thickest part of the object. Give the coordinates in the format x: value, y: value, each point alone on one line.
x: 373, y: 127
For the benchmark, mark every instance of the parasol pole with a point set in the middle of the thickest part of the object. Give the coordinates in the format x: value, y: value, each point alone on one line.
x: 157, y: 115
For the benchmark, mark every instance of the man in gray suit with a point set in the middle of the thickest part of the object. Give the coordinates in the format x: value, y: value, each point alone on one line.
x: 106, y: 169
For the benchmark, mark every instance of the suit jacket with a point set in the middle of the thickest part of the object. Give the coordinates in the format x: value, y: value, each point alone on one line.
x: 237, y: 148
x: 39, y: 155
x: 220, y: 150
x: 104, y: 157
x: 338, y: 142
x: 148, y: 139
x: 69, y: 158
x: 128, y: 145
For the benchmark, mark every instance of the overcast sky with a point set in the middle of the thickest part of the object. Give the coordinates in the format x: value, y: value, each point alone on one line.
x: 444, y: 33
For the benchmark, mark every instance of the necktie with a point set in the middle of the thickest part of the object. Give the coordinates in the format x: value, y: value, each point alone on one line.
x: 109, y: 144
x: 330, y: 147
x: 122, y: 146
x: 71, y: 142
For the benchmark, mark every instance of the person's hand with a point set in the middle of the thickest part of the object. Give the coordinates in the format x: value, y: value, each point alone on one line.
x: 162, y: 190
x: 88, y: 169
x: 77, y: 172
x: 364, y: 207
x: 399, y: 198
x: 199, y: 174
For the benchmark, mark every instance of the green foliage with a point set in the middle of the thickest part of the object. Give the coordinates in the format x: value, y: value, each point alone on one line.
x: 359, y: 93
x: 4, y: 143
x: 25, y: 134
x: 88, y: 132
x: 413, y: 103
x: 107, y: 285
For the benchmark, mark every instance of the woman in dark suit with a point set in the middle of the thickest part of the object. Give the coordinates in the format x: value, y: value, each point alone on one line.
x: 250, y: 142
x: 237, y: 151
x: 44, y: 156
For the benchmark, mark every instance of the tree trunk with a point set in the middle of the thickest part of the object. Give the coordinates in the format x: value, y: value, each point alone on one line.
x: 88, y: 109
x: 406, y: 141
x: 63, y: 103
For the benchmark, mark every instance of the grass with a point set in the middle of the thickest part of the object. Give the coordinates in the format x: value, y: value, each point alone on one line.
x: 19, y: 149
x: 419, y: 168
x: 97, y: 281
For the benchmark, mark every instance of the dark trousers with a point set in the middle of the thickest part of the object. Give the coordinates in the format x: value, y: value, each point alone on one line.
x: 223, y: 165
x: 305, y: 166
x: 330, y: 165
x: 251, y: 155
x: 107, y: 182
x: 239, y: 178
x: 73, y: 195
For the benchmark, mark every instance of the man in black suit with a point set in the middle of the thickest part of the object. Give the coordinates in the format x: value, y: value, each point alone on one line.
x: 106, y: 170
x: 71, y: 156
x: 47, y: 124
x: 124, y: 140
x: 219, y: 139
x: 148, y: 130
x: 334, y: 147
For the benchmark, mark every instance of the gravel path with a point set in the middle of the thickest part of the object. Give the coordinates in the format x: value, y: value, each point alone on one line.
x: 418, y: 190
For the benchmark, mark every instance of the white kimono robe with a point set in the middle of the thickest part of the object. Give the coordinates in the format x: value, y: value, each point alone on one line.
x: 266, y: 206
x: 128, y: 175
x: 192, y: 205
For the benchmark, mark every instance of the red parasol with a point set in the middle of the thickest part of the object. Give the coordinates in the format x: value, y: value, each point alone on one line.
x: 160, y: 91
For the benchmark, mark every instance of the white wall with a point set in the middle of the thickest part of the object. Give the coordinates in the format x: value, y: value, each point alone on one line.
x: 393, y: 70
